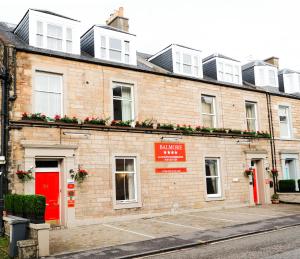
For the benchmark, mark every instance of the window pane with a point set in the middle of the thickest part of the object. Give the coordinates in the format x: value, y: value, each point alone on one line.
x: 187, y: 59
x: 54, y: 31
x: 39, y: 40
x: 54, y: 104
x: 41, y: 102
x: 196, y: 69
x: 284, y: 130
x: 126, y: 92
x: 69, y: 34
x: 187, y: 69
x: 250, y: 110
x: 126, y: 111
x: 207, y: 104
x: 115, y: 44
x: 120, y: 165
x: 69, y: 46
x: 103, y: 53
x: 117, y: 91
x: 54, y: 83
x: 228, y: 69
x: 272, y: 80
x: 208, y: 121
x: 117, y: 110
x: 125, y: 187
x: 126, y: 46
x: 54, y: 44
x: 178, y: 67
x: 212, y: 185
x: 251, y: 125
x: 41, y: 82
x: 196, y: 61
x: 103, y: 42
x: 211, y: 167
x: 115, y: 55
x: 39, y: 28
x: 129, y: 165
x: 126, y: 58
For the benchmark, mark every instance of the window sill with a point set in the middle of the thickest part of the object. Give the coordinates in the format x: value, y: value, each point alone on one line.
x: 127, y: 205
x: 214, y: 198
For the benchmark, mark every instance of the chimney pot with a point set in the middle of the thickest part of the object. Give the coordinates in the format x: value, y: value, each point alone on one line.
x: 117, y: 20
x: 273, y: 61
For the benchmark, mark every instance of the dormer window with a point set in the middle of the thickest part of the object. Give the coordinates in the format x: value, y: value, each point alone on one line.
x: 222, y: 68
x: 48, y: 30
x: 266, y: 76
x: 289, y: 81
x: 179, y: 60
x: 108, y: 43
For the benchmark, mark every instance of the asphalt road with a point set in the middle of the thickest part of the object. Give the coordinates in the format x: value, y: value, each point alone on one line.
x: 279, y: 244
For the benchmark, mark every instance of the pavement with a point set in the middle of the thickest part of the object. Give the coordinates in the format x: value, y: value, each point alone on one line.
x: 145, y: 236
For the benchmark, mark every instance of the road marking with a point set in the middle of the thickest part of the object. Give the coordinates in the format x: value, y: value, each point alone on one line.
x: 253, y: 214
x: 206, y: 217
x: 123, y: 229
x: 176, y: 224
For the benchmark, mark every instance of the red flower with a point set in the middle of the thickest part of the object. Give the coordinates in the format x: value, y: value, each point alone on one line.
x: 57, y: 117
x: 87, y: 119
x: 24, y: 115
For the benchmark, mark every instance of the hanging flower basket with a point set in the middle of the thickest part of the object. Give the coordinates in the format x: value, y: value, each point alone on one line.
x: 25, y: 176
x: 274, y: 172
x: 79, y: 176
x: 248, y: 172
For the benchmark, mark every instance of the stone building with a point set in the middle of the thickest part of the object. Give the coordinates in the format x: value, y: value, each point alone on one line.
x: 180, y: 129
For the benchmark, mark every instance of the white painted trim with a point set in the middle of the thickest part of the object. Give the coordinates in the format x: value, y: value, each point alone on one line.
x: 289, y: 118
x: 220, y: 187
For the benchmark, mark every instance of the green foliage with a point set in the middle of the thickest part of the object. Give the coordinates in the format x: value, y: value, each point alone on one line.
x: 165, y: 126
x: 275, y: 196
x: 18, y: 204
x: 9, y: 202
x: 287, y: 185
x: 66, y: 119
x: 34, y: 116
x: 121, y: 123
x: 96, y: 121
x: 25, y: 205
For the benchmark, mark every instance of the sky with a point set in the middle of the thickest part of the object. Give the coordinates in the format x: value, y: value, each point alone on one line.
x: 242, y: 29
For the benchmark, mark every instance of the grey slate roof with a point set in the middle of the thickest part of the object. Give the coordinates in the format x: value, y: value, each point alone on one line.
x: 218, y: 55
x: 52, y: 13
x: 287, y: 71
x: 256, y: 63
x: 6, y: 34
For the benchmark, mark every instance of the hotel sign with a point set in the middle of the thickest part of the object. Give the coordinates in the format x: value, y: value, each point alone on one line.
x: 169, y: 152
x: 170, y: 170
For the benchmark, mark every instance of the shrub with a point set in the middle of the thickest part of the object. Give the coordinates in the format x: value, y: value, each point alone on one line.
x: 9, y: 203
x: 34, y: 116
x: 39, y: 206
x: 95, y: 121
x: 66, y: 119
x: 148, y: 123
x: 165, y: 126
x: 30, y: 206
x: 18, y: 204
x: 287, y: 185
x: 121, y: 123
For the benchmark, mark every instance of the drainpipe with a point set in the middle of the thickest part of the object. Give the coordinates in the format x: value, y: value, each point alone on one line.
x: 272, y: 140
x: 4, y: 76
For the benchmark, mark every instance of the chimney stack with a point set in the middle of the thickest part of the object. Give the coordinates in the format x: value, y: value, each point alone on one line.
x: 117, y: 20
x: 273, y: 61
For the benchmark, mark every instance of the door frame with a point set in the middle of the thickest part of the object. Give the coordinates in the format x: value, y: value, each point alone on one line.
x: 66, y: 154
x: 51, y: 170
x: 263, y: 176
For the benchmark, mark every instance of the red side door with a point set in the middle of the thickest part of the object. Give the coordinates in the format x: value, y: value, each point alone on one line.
x: 47, y: 184
x: 255, y: 196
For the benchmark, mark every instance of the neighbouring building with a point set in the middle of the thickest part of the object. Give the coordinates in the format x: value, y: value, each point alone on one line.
x: 180, y: 129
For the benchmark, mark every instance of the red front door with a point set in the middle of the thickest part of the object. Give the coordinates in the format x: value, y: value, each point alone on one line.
x: 255, y: 196
x: 47, y: 184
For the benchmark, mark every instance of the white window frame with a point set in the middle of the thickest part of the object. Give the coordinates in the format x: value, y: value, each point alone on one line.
x: 289, y: 121
x: 214, y: 114
x: 131, y: 86
x: 39, y: 34
x: 219, y: 180
x: 127, y: 204
x: 134, y: 172
x: 255, y: 111
x: 262, y: 75
x: 35, y: 110
x: 69, y: 40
